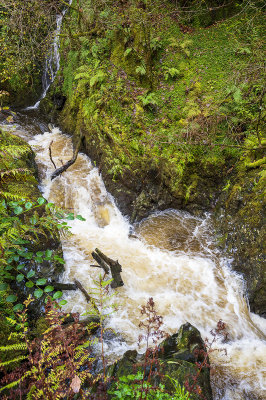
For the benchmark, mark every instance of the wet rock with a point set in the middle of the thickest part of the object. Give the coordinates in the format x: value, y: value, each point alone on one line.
x: 182, y: 345
x: 239, y: 218
x: 177, y: 360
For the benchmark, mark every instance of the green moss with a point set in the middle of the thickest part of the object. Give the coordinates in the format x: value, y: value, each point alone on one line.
x: 190, y: 131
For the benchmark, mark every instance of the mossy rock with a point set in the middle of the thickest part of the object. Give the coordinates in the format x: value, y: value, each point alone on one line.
x: 177, y: 360
x: 239, y: 218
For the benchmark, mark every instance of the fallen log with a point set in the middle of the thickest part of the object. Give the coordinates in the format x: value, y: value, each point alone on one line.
x: 64, y: 286
x: 64, y: 167
x: 74, y: 286
x: 86, y: 294
x: 106, y: 263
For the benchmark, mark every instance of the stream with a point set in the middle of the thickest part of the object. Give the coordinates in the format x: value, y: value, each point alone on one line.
x: 173, y: 259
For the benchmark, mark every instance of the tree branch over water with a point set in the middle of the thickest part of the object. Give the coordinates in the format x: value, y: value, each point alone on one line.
x: 64, y: 167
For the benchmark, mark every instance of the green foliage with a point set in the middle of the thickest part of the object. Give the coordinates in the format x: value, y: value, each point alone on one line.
x: 130, y: 388
x: 185, y: 98
x: 24, y: 44
x: 141, y: 70
x: 149, y: 100
x: 20, y: 226
x: 182, y: 46
x: 171, y: 73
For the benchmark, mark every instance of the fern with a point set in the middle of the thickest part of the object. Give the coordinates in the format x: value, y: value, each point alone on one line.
x: 14, y: 347
x: 14, y: 150
x: 14, y: 360
x: 10, y: 196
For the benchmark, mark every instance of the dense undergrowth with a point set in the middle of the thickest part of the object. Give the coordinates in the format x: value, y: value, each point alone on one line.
x: 150, y: 90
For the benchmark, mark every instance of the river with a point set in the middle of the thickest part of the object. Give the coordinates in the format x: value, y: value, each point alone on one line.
x: 172, y: 258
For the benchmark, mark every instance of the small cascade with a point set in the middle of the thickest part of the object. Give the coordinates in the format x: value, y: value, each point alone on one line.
x: 172, y: 258
x: 52, y: 62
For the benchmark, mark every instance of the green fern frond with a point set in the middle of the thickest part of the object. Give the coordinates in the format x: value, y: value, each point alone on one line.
x: 15, y: 383
x: 10, y: 385
x: 10, y: 196
x: 14, y: 347
x: 5, y: 363
x: 16, y: 173
x: 15, y: 150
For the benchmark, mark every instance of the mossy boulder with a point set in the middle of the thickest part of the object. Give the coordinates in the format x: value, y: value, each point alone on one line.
x: 177, y: 357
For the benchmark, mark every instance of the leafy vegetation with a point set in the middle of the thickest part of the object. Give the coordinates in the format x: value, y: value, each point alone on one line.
x: 24, y: 43
x: 152, y: 89
x: 130, y: 387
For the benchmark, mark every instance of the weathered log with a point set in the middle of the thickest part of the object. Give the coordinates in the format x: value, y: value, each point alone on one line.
x: 64, y: 167
x: 106, y: 263
x: 64, y: 286
x: 102, y: 263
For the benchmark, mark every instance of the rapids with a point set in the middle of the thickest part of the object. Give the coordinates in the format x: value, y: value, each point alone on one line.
x: 172, y: 259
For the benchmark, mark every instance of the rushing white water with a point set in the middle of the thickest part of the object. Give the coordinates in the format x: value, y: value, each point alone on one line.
x: 173, y: 260
x: 52, y: 62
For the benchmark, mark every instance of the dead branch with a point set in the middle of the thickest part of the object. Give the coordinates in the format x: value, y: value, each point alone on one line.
x: 64, y: 167
x: 50, y: 154
x: 64, y: 286
x: 86, y: 294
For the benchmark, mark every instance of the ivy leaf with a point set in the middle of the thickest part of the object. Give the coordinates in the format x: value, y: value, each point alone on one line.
x: 3, y: 287
x: 41, y: 281
x: 18, y: 210
x: 48, y: 254
x: 80, y: 218
x: 59, y: 259
x: 40, y: 253
x: 11, y: 298
x: 28, y: 205
x: 28, y: 255
x: 18, y: 307
x: 29, y: 284
x: 20, y: 277
x: 70, y: 217
x: 41, y: 200
x: 48, y: 289
x: 30, y: 274
x: 57, y: 295
x: 38, y: 293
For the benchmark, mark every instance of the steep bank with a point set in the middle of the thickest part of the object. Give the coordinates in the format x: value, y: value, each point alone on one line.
x: 167, y: 122
x: 20, y: 198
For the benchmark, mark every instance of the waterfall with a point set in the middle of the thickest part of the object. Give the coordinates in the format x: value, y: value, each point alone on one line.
x: 52, y: 62
x: 173, y: 259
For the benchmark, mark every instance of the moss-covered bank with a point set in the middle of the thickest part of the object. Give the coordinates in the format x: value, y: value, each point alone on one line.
x: 172, y: 114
